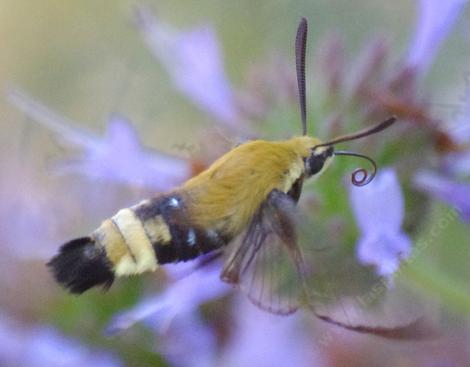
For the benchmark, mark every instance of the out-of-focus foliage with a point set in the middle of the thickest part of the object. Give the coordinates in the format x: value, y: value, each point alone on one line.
x: 105, y: 103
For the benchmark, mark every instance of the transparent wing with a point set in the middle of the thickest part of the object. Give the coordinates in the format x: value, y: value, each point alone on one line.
x: 279, y: 264
x: 345, y: 293
x: 266, y: 262
x: 396, y: 313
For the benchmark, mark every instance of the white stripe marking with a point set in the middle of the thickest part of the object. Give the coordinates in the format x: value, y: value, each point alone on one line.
x: 135, y: 237
x: 191, y: 240
x: 174, y: 202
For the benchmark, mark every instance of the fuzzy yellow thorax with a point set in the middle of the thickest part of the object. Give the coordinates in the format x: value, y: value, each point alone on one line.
x: 227, y: 194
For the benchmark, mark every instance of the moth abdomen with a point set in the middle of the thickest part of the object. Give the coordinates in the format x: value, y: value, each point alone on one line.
x: 172, y: 231
x: 134, y: 241
x: 80, y: 265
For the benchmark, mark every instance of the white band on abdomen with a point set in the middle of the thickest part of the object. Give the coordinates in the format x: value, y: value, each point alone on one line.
x: 142, y: 256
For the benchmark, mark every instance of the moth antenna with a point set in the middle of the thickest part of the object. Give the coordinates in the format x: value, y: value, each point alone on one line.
x: 300, y: 49
x: 366, y: 177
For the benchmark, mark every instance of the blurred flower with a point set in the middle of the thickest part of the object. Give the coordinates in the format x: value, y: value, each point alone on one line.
x: 447, y: 185
x: 31, y: 234
x: 436, y: 19
x: 373, y: 91
x: 378, y: 209
x: 118, y: 157
x: 269, y: 85
x: 33, y: 216
x: 185, y: 339
x: 194, y: 61
x: 182, y: 296
x: 445, y: 189
x: 367, y: 90
x: 45, y: 346
x: 189, y: 342
x: 458, y: 128
x: 262, y: 339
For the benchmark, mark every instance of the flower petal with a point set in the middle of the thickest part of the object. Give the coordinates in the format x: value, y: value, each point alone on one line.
x: 378, y: 206
x: 122, y: 134
x: 194, y: 61
x: 436, y: 18
x: 378, y: 209
x: 384, y: 251
x: 118, y: 157
x: 183, y: 296
x: 453, y: 193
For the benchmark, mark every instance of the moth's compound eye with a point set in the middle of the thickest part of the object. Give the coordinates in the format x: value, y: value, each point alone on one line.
x: 317, y: 160
x: 315, y: 164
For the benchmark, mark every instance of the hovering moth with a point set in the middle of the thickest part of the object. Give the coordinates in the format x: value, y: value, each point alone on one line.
x: 243, y: 206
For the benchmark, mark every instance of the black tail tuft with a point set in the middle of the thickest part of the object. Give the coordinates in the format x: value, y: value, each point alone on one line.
x: 81, y: 265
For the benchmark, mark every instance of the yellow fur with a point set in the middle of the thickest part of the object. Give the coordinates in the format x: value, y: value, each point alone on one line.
x: 135, y: 237
x: 157, y: 230
x: 109, y: 236
x: 226, y: 195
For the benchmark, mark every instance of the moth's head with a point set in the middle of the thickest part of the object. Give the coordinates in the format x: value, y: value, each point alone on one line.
x: 318, y: 160
x: 319, y: 155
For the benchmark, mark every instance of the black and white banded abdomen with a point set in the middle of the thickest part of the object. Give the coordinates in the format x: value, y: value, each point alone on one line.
x: 135, y: 240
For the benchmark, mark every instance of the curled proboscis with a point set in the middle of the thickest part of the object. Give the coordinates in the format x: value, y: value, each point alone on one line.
x: 360, y: 176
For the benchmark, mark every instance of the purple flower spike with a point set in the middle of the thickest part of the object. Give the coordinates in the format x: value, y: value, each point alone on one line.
x: 436, y: 18
x: 194, y: 61
x: 378, y: 209
x: 453, y: 193
x: 118, y: 157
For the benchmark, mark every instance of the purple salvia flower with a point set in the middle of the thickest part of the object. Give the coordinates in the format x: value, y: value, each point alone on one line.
x: 118, y: 157
x: 453, y: 193
x: 436, y: 18
x: 263, y: 339
x: 45, y: 346
x: 194, y: 61
x: 379, y: 210
x: 183, y: 296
